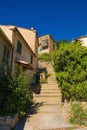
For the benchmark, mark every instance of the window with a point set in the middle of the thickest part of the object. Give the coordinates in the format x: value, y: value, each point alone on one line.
x: 31, y: 59
x: 19, y: 47
x: 45, y: 47
x: 6, y: 55
x: 40, y: 49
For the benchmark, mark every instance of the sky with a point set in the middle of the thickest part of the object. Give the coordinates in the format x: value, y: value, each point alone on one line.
x: 62, y: 19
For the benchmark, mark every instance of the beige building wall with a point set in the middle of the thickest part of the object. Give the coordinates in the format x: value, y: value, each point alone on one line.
x: 26, y: 52
x: 46, y: 44
x: 31, y: 39
x: 3, y: 43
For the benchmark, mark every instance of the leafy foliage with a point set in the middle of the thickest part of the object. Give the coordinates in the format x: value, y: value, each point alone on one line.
x: 45, y: 57
x: 70, y: 64
x: 15, y: 92
x: 78, y: 114
x: 42, y: 81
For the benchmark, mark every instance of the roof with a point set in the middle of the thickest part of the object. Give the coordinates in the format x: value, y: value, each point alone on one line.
x: 24, y: 36
x: 82, y: 36
x: 7, y: 32
x: 5, y: 36
x: 27, y: 35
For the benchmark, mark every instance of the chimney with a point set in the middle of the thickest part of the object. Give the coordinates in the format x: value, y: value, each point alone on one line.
x: 32, y: 29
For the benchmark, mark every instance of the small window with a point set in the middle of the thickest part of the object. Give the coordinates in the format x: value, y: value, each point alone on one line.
x: 45, y: 47
x: 31, y: 59
x: 19, y: 47
x: 40, y: 49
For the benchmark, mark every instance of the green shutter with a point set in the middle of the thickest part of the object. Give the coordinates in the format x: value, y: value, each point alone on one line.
x: 19, y: 47
x: 31, y: 59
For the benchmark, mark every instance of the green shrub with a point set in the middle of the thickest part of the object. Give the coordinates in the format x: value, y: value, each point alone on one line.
x: 45, y: 57
x: 70, y: 64
x: 78, y: 114
x: 15, y: 92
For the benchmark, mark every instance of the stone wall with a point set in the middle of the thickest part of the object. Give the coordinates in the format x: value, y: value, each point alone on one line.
x: 8, y: 122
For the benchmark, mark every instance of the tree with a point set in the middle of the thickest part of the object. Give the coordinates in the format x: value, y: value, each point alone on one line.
x: 70, y: 64
x: 58, y: 43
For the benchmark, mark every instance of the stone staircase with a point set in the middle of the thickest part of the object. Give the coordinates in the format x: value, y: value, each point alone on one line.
x: 46, y: 112
x: 47, y: 105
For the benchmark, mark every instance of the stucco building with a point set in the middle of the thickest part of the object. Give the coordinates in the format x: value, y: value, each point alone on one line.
x: 24, y: 44
x: 6, y: 49
x: 82, y: 39
x: 46, y: 44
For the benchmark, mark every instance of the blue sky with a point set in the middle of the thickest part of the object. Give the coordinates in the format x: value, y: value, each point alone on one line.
x: 63, y: 19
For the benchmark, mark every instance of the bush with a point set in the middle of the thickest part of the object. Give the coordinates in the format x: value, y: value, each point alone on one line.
x: 15, y: 92
x: 78, y: 114
x: 70, y: 64
x: 45, y: 57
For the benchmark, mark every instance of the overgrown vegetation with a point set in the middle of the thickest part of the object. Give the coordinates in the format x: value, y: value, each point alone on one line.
x: 78, y: 114
x: 45, y: 57
x: 15, y: 92
x: 43, y: 81
x: 70, y: 63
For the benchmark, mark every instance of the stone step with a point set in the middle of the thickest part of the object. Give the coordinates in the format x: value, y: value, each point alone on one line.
x: 49, y: 122
x: 48, y: 100
x: 84, y: 128
x: 52, y: 79
x: 62, y: 128
x: 47, y: 95
x: 49, y: 109
x: 51, y: 84
x: 48, y: 82
x: 48, y: 112
x: 49, y: 103
x: 50, y: 92
x: 50, y: 89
